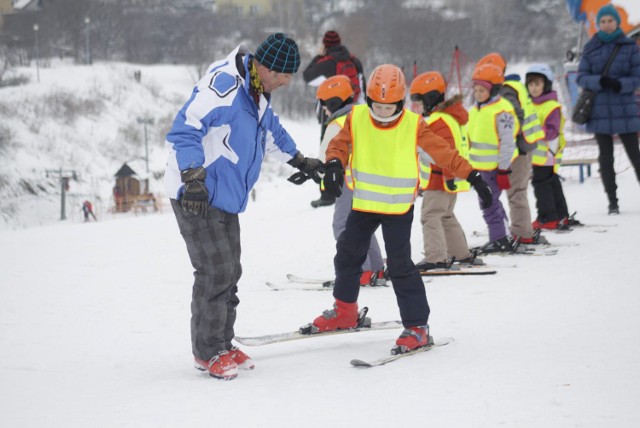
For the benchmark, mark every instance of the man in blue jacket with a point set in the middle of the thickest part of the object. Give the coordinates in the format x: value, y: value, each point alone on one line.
x: 217, y: 144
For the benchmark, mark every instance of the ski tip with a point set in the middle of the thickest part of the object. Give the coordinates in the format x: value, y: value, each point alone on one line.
x: 272, y: 286
x: 359, y: 363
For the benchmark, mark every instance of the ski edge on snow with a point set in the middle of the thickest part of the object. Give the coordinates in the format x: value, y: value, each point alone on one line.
x: 384, y: 360
x: 458, y: 272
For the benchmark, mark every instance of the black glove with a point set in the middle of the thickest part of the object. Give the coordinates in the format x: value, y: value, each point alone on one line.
x: 484, y: 192
x: 451, y: 185
x: 313, y: 168
x: 610, y: 83
x: 195, y: 198
x: 298, y: 178
x: 333, y: 177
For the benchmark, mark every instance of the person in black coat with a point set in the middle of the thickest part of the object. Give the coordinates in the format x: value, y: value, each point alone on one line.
x: 334, y: 59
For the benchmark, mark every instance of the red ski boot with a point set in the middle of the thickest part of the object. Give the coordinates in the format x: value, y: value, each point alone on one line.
x: 412, y: 338
x: 220, y: 366
x: 343, y: 315
x: 243, y: 361
x: 365, y: 278
x: 372, y: 278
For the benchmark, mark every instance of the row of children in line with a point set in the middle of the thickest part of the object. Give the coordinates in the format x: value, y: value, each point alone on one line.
x: 509, y: 128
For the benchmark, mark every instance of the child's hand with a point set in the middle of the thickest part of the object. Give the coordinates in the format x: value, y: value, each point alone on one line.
x: 502, y: 179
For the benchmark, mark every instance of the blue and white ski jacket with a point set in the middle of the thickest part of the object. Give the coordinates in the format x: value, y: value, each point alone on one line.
x: 222, y: 129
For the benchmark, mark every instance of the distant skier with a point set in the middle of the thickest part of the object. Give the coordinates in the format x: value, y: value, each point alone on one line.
x: 87, y: 210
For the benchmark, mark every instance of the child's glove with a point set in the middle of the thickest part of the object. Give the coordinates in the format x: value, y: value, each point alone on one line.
x: 333, y: 177
x: 484, y: 192
x: 502, y: 179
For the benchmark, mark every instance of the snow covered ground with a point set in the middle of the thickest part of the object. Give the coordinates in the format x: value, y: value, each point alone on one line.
x: 94, y: 326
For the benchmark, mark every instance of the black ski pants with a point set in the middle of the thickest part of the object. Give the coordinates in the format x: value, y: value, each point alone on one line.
x: 605, y: 158
x: 550, y: 201
x: 352, y: 248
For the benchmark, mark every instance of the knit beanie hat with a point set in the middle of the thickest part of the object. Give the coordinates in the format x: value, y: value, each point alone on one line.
x: 331, y: 38
x: 279, y: 53
x: 485, y: 84
x: 608, y: 10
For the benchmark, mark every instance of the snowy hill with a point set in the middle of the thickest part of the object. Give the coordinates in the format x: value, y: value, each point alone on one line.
x: 82, y: 119
x: 85, y: 119
x: 92, y: 335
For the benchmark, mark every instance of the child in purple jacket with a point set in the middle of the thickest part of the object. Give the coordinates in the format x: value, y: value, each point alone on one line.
x: 547, y: 156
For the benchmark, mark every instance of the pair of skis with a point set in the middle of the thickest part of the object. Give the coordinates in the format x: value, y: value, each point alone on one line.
x: 313, y: 284
x: 364, y: 324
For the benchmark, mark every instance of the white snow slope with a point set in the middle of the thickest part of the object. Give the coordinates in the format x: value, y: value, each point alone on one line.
x: 94, y: 326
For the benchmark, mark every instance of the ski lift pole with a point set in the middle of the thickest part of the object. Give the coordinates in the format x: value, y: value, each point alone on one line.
x: 456, y: 56
x: 64, y: 176
x: 63, y: 196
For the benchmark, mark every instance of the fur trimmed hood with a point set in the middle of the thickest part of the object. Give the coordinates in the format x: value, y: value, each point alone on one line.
x: 454, y: 107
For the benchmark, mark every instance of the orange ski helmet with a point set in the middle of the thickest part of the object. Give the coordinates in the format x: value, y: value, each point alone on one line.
x: 335, y: 87
x: 493, y: 58
x: 427, y: 82
x: 386, y: 85
x: 489, y: 73
x: 429, y: 89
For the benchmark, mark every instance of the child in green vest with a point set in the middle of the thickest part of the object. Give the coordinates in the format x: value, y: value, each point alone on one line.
x: 493, y: 127
x: 336, y: 95
x: 443, y: 237
x: 550, y: 201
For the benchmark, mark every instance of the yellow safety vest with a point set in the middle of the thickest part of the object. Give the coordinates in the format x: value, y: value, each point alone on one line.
x: 484, y: 151
x: 459, y: 133
x: 384, y: 163
x: 540, y: 153
x: 531, y: 126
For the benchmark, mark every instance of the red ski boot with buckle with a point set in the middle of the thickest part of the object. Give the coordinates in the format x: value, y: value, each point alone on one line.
x: 221, y: 366
x: 343, y: 316
x: 412, y: 338
x: 243, y: 361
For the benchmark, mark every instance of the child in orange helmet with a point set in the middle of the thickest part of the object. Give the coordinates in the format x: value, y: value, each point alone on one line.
x: 381, y: 140
x: 493, y: 127
x: 443, y: 237
x: 526, y: 141
x: 336, y: 95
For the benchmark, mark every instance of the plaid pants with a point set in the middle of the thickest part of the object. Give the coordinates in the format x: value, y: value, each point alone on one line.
x: 213, y: 244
